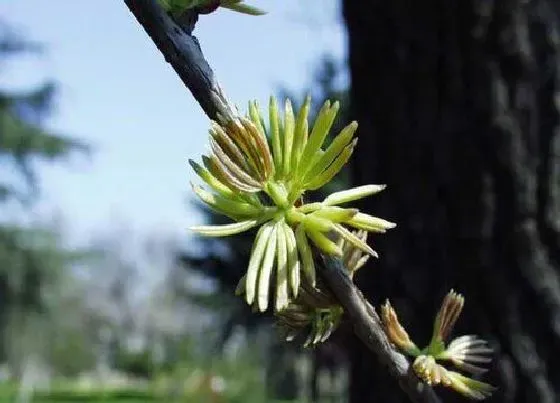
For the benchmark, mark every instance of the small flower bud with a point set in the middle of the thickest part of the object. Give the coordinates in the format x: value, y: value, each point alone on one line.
x: 395, y: 332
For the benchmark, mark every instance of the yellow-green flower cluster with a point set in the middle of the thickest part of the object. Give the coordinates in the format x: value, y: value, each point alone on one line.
x: 316, y: 310
x: 176, y: 7
x: 465, y: 352
x: 258, y: 176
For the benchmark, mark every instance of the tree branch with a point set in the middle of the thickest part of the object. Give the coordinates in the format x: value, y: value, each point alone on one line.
x: 181, y: 49
x: 367, y: 326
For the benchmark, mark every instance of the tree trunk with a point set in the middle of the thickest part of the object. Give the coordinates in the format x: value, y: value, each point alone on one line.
x: 456, y: 102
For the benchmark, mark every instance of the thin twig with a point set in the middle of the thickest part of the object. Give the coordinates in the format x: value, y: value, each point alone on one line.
x: 367, y: 326
x: 181, y: 49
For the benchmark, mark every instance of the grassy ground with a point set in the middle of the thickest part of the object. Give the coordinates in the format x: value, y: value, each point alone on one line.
x: 127, y: 397
x: 204, y: 381
x: 221, y: 384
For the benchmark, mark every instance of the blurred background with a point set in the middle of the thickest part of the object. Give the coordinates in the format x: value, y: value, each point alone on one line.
x: 105, y: 296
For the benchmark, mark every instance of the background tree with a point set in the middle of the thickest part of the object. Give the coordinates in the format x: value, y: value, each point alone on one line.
x: 457, y: 104
x: 31, y: 258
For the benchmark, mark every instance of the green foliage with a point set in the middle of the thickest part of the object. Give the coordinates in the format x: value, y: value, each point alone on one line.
x: 23, y: 140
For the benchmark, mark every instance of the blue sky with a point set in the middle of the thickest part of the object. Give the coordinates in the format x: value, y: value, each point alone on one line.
x: 118, y: 94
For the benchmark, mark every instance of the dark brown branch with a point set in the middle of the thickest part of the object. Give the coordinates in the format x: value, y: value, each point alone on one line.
x: 182, y: 51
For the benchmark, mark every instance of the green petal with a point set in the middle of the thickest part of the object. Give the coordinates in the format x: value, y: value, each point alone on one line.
x: 315, y: 159
x: 231, y: 208
x: 370, y: 223
x: 225, y: 229
x: 288, y: 136
x: 356, y: 193
x: 244, y: 8
x: 310, y: 207
x: 293, y: 261
x: 257, y: 254
x: 275, y: 135
x: 320, y: 130
x: 277, y: 193
x: 316, y: 223
x: 300, y: 133
x: 315, y: 182
x: 354, y: 240
x: 323, y: 243
x: 281, y: 271
x: 217, y: 172
x: 306, y: 255
x: 336, y: 214
x: 265, y: 271
x: 335, y: 148
x: 255, y: 115
x: 211, y: 180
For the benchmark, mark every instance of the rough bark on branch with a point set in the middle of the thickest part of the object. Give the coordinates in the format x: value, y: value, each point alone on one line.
x: 182, y: 51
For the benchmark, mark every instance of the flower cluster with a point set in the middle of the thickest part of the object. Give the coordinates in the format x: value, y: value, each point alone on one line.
x: 316, y: 310
x: 465, y: 352
x: 176, y: 7
x: 258, y: 176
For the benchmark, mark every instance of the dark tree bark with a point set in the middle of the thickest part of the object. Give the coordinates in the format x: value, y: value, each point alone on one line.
x: 457, y: 105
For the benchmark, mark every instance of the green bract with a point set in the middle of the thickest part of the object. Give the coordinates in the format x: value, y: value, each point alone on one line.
x: 465, y: 352
x: 258, y: 175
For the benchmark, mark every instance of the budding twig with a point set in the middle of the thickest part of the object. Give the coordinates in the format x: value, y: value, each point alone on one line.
x: 181, y: 49
x: 367, y: 326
